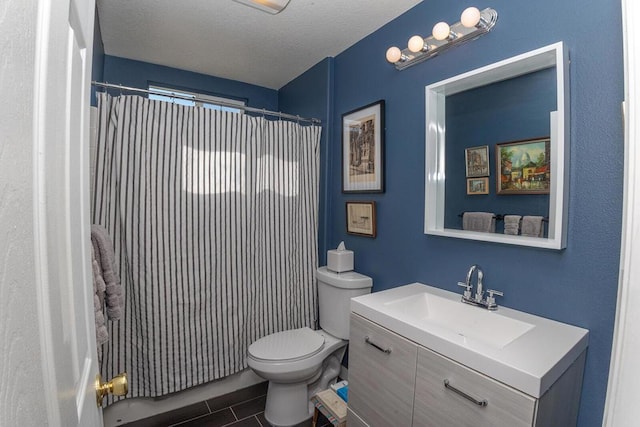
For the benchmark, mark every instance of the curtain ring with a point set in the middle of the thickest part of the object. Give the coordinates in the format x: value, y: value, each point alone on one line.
x: 264, y: 113
x: 297, y: 119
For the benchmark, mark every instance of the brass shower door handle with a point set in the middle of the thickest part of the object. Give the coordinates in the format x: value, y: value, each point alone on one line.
x: 118, y: 386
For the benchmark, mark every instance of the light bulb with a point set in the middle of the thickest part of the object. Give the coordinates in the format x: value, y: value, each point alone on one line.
x: 441, y: 31
x: 416, y: 44
x: 394, y: 54
x: 470, y: 17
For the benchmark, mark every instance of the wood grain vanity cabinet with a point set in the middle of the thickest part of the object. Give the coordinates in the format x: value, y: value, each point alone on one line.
x: 396, y: 382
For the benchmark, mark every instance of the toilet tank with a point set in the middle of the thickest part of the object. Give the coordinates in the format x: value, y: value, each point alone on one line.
x: 335, y: 291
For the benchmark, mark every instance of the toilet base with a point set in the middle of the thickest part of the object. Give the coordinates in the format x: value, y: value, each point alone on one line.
x: 287, y: 404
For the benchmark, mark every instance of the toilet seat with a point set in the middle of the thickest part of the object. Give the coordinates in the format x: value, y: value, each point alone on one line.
x: 287, y: 346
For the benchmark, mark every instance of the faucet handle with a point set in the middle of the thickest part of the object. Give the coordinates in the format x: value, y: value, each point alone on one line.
x: 467, y: 286
x: 491, y: 301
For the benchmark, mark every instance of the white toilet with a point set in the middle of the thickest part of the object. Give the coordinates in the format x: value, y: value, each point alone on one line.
x: 301, y: 362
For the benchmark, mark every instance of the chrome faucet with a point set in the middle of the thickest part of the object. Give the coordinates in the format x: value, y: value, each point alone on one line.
x: 478, y: 299
x: 479, y: 291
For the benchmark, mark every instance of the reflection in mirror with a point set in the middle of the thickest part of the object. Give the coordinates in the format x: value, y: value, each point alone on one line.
x: 510, y: 110
x: 497, y: 142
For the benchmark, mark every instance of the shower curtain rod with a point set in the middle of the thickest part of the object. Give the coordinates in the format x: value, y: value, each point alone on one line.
x: 208, y: 101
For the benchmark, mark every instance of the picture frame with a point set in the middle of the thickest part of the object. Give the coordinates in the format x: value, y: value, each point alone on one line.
x: 361, y: 218
x: 477, y: 186
x: 523, y: 167
x: 363, y: 149
x: 476, y: 161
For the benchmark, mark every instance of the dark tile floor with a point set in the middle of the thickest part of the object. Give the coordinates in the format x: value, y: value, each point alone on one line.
x: 242, y: 408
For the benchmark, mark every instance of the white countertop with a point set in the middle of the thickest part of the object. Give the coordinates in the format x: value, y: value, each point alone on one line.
x: 531, y: 362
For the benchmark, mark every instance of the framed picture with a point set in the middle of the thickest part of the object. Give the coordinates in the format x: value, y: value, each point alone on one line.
x: 523, y: 167
x: 361, y: 218
x: 478, y: 186
x: 477, y: 161
x: 363, y: 149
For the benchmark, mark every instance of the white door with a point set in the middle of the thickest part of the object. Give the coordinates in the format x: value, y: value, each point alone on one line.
x: 64, y: 48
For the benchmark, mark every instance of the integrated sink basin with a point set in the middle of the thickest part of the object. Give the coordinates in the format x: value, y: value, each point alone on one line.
x: 524, y: 351
x: 462, y: 320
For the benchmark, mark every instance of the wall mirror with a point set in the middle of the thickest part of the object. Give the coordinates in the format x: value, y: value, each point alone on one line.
x: 497, y: 141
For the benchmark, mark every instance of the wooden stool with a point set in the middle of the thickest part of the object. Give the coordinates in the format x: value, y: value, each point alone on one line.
x: 331, y: 406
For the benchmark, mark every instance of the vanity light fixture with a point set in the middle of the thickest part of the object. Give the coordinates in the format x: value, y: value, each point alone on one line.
x: 473, y: 23
x: 270, y: 6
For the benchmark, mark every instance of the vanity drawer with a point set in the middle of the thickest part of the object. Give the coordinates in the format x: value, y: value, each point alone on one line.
x: 439, y: 405
x: 353, y: 420
x: 381, y: 384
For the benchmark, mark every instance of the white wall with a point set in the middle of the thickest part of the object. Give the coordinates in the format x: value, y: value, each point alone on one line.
x: 21, y: 403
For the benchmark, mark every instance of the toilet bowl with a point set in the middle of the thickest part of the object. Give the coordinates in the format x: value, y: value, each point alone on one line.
x: 292, y: 361
x: 299, y: 363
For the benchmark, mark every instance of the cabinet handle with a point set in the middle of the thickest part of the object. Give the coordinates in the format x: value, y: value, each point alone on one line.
x: 482, y: 402
x: 371, y: 343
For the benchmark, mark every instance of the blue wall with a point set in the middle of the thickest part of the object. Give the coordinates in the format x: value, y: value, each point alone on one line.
x: 577, y: 285
x: 140, y: 74
x: 97, y: 65
x: 507, y: 111
x: 309, y: 95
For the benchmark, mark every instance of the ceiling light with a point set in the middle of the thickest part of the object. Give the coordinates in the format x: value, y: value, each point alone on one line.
x: 394, y: 54
x: 269, y: 6
x: 442, y: 31
x: 473, y: 24
x: 470, y: 17
x: 416, y: 44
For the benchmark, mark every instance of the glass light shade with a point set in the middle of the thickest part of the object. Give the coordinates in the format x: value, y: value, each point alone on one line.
x: 441, y: 31
x: 416, y: 44
x: 470, y: 17
x: 394, y: 54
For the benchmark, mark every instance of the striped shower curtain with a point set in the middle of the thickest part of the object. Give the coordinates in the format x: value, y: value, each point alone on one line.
x: 214, y: 220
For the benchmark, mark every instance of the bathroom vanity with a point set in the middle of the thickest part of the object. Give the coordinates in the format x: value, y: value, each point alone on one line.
x: 420, y: 357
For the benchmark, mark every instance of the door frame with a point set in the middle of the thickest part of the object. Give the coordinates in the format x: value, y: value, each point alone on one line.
x: 620, y: 407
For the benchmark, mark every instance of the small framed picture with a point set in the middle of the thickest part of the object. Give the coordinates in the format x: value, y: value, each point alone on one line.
x: 361, y: 218
x: 477, y: 186
x: 477, y: 161
x: 523, y: 167
x: 363, y: 149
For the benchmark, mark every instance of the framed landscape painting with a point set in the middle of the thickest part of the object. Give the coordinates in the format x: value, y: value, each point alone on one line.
x: 523, y: 167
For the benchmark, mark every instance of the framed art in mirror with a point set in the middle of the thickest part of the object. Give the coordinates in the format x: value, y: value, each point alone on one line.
x: 477, y: 161
x: 361, y: 218
x: 363, y: 149
x: 523, y: 167
x: 477, y: 186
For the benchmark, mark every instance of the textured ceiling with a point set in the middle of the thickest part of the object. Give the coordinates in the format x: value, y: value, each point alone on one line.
x: 227, y: 39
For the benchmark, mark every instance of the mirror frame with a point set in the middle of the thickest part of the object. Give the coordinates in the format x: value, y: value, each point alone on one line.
x: 555, y: 55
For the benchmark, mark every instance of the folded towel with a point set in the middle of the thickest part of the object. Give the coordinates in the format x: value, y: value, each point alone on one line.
x: 512, y: 224
x: 479, y: 221
x: 532, y: 226
x: 105, y: 257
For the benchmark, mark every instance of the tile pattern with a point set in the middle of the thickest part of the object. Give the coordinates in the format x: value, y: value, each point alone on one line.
x: 242, y: 408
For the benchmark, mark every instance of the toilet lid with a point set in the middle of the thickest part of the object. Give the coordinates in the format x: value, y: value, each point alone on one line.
x: 287, y: 345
